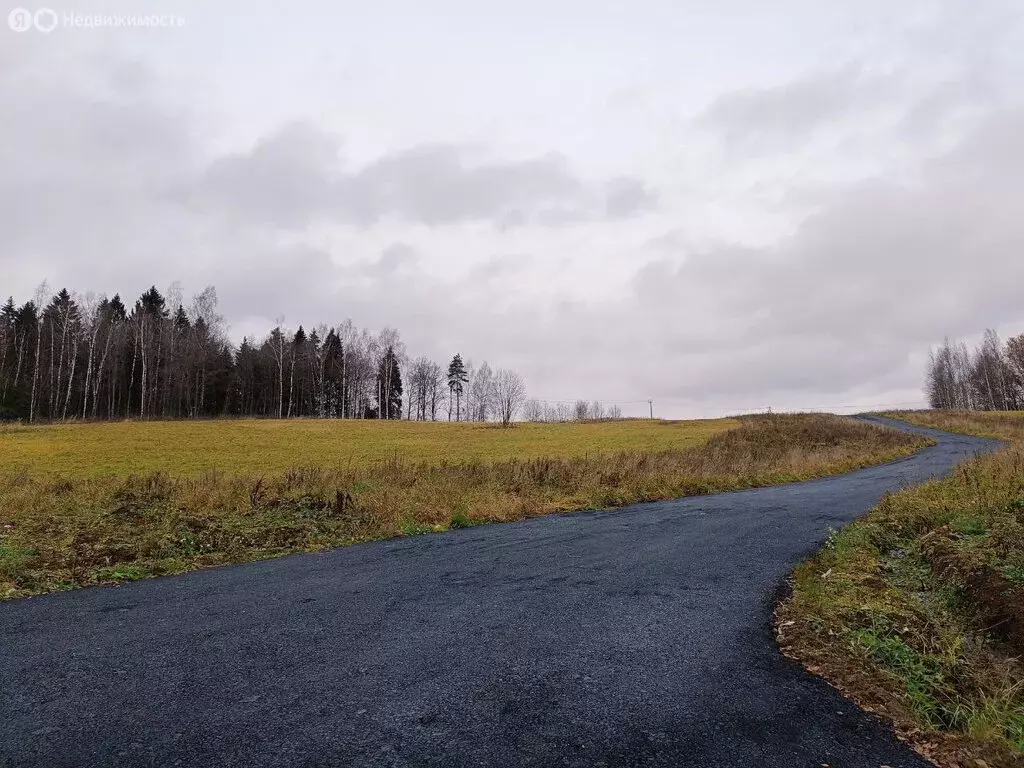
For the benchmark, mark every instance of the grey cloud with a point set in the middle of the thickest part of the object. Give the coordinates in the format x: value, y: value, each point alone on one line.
x: 848, y: 106
x: 627, y: 196
x: 393, y: 259
x: 251, y: 298
x: 434, y: 184
x: 672, y: 241
x: 295, y: 177
x: 496, y: 268
x: 286, y: 179
x: 844, y: 309
x: 883, y: 271
x: 958, y: 99
x: 879, y: 273
x: 84, y: 160
x: 768, y: 119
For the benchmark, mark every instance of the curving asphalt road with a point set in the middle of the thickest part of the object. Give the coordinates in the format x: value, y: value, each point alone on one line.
x: 637, y: 637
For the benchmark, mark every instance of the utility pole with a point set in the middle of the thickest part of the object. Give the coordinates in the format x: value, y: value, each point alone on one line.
x: 651, y: 403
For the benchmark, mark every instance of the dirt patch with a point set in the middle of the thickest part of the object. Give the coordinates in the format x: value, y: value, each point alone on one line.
x: 997, y: 602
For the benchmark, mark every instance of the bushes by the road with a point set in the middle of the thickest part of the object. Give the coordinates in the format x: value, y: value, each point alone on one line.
x: 61, y: 533
x: 917, y: 610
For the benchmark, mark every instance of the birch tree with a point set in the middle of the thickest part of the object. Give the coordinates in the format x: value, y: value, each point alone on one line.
x: 509, y: 393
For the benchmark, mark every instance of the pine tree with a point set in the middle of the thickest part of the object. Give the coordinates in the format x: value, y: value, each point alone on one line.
x: 457, y: 379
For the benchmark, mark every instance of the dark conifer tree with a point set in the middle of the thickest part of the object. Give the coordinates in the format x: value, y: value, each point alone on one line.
x: 9, y: 346
x: 181, y: 321
x: 457, y: 378
x: 117, y: 308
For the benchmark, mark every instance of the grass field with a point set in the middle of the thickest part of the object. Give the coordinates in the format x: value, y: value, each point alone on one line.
x: 248, y: 446
x: 917, y: 610
x: 97, y: 504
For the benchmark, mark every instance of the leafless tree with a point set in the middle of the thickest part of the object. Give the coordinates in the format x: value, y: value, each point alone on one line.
x: 509, y: 394
x: 987, y: 379
x: 41, y: 297
x: 480, y: 392
x: 533, y: 410
x: 1015, y: 362
x: 436, y: 384
x: 277, y: 345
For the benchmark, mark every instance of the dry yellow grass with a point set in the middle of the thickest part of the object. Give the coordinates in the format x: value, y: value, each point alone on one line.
x: 1005, y: 425
x: 61, y: 532
x: 247, y: 446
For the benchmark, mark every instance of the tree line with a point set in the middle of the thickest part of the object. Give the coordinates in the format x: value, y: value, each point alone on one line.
x: 581, y: 410
x: 67, y: 356
x: 989, y: 377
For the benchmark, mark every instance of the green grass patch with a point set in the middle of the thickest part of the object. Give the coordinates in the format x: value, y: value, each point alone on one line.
x: 921, y: 676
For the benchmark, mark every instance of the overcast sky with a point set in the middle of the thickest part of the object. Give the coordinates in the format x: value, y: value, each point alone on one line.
x: 718, y: 205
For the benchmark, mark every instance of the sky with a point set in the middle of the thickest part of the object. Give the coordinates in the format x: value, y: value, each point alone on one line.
x: 720, y: 206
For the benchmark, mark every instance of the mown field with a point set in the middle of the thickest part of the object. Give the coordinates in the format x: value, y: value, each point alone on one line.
x: 917, y: 610
x: 99, y: 504
x: 249, y: 446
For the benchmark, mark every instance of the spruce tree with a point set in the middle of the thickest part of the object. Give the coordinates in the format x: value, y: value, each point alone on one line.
x: 117, y: 308
x: 389, y: 387
x: 181, y: 321
x: 8, y: 312
x: 151, y: 302
x: 7, y: 355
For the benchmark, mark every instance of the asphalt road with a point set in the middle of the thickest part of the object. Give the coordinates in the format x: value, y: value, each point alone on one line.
x: 636, y: 637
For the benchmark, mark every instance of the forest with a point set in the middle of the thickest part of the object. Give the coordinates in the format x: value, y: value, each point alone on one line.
x: 989, y: 377
x: 66, y: 356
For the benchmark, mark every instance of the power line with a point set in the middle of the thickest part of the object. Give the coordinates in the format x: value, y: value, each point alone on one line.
x: 748, y: 408
x: 591, y: 400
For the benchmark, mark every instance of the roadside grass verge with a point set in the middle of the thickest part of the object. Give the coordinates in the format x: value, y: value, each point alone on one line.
x: 916, y: 611
x: 59, y: 533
